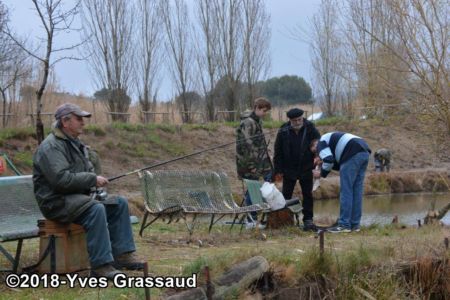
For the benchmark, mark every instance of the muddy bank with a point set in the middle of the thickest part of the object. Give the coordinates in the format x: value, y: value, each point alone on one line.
x: 413, y: 181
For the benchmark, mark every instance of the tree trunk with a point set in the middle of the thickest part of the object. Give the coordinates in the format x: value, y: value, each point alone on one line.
x: 4, y: 107
x: 238, y: 278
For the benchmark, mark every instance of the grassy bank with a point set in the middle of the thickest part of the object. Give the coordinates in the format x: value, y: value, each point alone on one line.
x: 370, y: 264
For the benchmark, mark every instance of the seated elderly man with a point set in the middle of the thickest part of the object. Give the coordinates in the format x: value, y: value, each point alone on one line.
x: 64, y: 179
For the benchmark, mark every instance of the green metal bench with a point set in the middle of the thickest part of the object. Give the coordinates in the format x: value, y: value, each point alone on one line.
x: 254, y: 186
x: 19, y: 213
x: 178, y: 194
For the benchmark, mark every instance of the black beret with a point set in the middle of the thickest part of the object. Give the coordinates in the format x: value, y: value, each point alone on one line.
x: 294, y: 113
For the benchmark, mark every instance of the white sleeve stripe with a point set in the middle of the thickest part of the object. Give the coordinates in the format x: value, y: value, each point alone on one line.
x: 325, y: 152
x: 342, y: 143
x: 327, y: 166
x: 326, y: 137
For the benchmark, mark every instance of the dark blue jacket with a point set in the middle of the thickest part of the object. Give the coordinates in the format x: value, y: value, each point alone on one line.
x: 335, y: 148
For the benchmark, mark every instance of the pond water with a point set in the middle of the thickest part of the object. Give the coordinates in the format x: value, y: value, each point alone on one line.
x: 381, y: 209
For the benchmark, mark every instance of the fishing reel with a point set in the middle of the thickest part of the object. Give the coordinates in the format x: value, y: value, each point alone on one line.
x: 99, y: 194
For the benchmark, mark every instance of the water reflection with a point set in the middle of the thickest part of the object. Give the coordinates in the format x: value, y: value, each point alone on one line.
x: 381, y: 209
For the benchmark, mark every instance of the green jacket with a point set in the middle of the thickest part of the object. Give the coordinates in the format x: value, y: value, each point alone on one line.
x: 252, y: 161
x: 63, y: 177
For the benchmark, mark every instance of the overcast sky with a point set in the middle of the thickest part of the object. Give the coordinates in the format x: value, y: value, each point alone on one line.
x: 288, y: 56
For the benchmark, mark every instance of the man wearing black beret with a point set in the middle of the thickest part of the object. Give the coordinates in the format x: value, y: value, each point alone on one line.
x: 293, y: 160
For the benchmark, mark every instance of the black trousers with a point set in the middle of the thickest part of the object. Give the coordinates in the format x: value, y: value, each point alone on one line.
x: 306, y: 183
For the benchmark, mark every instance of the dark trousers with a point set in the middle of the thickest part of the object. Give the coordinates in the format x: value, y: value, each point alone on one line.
x: 306, y: 183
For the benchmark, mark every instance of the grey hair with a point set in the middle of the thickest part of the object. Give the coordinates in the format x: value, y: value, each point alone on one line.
x: 65, y: 118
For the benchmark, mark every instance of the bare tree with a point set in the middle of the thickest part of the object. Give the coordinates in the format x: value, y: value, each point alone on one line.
x: 228, y: 14
x: 148, y: 56
x: 378, y: 83
x: 56, y: 19
x: 180, y: 48
x: 206, y: 52
x: 256, y: 45
x: 326, y: 53
x: 422, y: 35
x: 12, y: 69
x: 108, y: 28
x: 8, y: 66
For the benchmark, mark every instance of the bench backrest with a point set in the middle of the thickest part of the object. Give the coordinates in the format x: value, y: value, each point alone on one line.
x: 205, y: 190
x: 19, y: 210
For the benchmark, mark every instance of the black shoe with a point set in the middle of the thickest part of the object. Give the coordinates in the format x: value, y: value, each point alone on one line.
x: 309, y: 226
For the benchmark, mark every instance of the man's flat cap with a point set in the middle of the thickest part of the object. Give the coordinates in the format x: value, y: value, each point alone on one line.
x: 70, y: 108
x: 294, y: 113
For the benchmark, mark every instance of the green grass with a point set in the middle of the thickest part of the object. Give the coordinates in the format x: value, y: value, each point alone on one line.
x: 95, y: 129
x: 16, y: 133
x: 23, y: 159
x: 313, y: 264
x: 270, y: 124
x: 163, y: 127
x: 356, y: 265
x: 233, y: 124
x: 209, y: 127
x: 173, y: 148
x: 380, y: 184
x: 332, y: 121
x: 126, y: 126
x: 196, y: 266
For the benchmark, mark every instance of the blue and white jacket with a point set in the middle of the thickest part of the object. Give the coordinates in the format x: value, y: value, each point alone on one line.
x: 335, y: 148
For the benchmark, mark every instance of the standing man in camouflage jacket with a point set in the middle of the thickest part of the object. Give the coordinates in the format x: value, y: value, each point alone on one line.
x: 64, y: 176
x: 252, y: 158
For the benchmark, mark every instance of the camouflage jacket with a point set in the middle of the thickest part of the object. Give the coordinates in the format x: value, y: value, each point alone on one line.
x: 383, y: 155
x: 252, y: 160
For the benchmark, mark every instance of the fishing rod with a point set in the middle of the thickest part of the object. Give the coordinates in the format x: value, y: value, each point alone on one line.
x: 195, y: 153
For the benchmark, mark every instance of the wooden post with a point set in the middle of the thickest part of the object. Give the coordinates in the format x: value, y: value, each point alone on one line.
x: 321, y: 242
x: 147, y: 290
x: 209, y: 286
